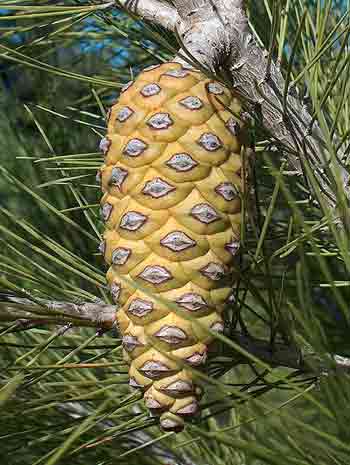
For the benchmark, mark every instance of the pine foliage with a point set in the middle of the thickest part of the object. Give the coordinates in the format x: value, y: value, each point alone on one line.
x: 64, y: 390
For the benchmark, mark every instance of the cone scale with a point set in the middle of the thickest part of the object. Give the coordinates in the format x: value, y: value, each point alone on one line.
x: 171, y: 206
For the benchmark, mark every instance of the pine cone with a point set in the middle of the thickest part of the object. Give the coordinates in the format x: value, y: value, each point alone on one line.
x: 171, y: 207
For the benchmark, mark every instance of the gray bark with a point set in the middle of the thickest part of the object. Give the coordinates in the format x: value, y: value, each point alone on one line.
x: 28, y: 313
x: 152, y: 10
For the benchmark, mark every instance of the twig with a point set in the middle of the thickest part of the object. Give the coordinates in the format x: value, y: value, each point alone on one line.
x: 152, y: 10
x: 27, y: 312
x: 100, y: 315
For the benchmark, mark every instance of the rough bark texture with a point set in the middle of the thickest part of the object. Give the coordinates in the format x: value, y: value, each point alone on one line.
x: 154, y: 11
x: 29, y: 313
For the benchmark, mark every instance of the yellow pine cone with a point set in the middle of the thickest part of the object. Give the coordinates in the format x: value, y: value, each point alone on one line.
x: 171, y: 207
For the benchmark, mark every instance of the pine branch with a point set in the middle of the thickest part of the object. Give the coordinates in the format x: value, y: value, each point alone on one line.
x: 102, y: 316
x: 28, y: 313
x: 216, y: 34
x: 152, y: 10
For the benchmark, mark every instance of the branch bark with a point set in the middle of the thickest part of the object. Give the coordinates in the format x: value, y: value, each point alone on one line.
x: 30, y: 313
x: 102, y: 317
x: 152, y: 10
x: 216, y: 34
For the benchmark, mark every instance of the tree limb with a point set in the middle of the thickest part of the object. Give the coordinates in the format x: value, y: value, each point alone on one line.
x: 28, y: 313
x: 152, y: 10
x: 102, y: 316
x: 216, y: 34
